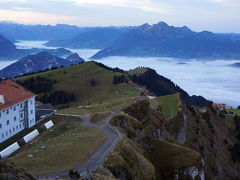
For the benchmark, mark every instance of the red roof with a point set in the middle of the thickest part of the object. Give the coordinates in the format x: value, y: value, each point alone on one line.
x: 13, y: 93
x: 217, y: 105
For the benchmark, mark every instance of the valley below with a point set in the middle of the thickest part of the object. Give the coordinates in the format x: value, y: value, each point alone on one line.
x: 215, y: 80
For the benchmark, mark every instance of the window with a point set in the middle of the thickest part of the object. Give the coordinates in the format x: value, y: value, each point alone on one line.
x: 13, y: 129
x: 21, y: 115
x: 6, y: 133
x: 21, y: 105
x: 0, y: 114
x: 17, y: 128
x: 7, y: 122
x: 15, y: 118
x: 7, y: 111
x: 20, y: 126
x: 0, y: 126
x: 10, y: 131
x: 31, y: 102
x: 31, y: 111
x: 2, y: 135
x: 14, y: 108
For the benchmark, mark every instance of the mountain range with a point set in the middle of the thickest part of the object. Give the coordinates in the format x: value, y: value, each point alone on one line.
x: 162, y: 40
x: 38, y: 62
x: 97, y: 38
x: 14, y: 31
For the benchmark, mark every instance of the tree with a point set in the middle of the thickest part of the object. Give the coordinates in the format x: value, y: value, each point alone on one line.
x: 93, y: 82
x: 238, y: 107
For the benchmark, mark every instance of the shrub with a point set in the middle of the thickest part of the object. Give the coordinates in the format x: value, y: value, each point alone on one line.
x: 74, y: 174
x: 93, y: 82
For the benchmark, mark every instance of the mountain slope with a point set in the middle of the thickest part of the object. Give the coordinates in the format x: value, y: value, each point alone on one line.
x: 9, y: 170
x: 161, y: 86
x: 6, y: 47
x: 168, y: 41
x: 97, y: 38
x: 34, y: 63
x: 75, y: 58
x: 204, y: 154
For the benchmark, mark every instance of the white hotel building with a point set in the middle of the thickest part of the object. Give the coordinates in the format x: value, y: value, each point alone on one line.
x: 17, y: 109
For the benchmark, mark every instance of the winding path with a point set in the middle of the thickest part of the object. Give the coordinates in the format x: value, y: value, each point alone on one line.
x: 96, y: 160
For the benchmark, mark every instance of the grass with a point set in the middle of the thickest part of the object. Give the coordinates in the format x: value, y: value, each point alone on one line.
x: 111, y: 105
x: 97, y: 117
x: 68, y: 146
x: 138, y: 70
x: 169, y: 104
x: 172, y: 157
x: 234, y: 111
x: 230, y: 123
x: 76, y: 79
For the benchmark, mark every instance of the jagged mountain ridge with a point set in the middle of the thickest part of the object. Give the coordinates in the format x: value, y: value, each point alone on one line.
x: 38, y: 62
x: 162, y: 40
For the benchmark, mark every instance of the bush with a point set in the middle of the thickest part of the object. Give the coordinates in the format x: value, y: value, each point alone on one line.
x: 119, y: 79
x: 57, y: 97
x: 93, y: 82
x: 235, y: 152
x: 74, y: 174
x: 38, y: 84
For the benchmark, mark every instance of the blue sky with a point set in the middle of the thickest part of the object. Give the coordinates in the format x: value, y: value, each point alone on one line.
x: 212, y: 15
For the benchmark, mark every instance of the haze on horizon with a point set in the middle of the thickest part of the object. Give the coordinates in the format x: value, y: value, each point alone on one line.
x: 212, y: 15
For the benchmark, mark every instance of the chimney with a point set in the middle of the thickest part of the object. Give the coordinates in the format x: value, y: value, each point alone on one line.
x: 2, y: 99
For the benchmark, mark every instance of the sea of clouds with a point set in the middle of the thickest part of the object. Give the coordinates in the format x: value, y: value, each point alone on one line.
x: 215, y: 80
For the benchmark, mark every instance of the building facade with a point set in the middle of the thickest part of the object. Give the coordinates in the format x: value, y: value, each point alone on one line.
x: 17, y: 109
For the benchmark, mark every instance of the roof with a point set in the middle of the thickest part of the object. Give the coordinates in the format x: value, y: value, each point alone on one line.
x: 13, y: 93
x: 45, y: 107
x: 217, y: 105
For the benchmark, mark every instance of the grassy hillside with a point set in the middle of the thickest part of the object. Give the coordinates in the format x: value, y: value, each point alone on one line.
x: 139, y: 70
x: 233, y: 111
x: 140, y: 124
x: 169, y: 104
x: 77, y: 80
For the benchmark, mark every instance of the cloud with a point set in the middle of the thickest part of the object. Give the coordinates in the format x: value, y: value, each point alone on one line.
x: 28, y: 17
x: 212, y: 15
x: 144, y: 5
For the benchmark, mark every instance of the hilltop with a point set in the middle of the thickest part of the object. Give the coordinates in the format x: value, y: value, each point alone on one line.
x: 162, y: 40
x: 38, y: 62
x: 95, y: 83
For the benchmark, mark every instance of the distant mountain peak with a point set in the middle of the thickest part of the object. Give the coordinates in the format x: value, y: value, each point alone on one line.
x: 161, y: 24
x: 75, y: 57
x: 144, y: 26
x: 44, y: 53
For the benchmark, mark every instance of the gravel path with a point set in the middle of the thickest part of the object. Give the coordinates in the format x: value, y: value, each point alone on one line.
x: 96, y: 160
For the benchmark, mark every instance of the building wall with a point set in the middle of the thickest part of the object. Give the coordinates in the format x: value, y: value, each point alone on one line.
x: 13, y: 120
x: 31, y: 112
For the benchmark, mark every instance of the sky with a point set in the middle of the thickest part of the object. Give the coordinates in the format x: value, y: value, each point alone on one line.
x: 212, y: 15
